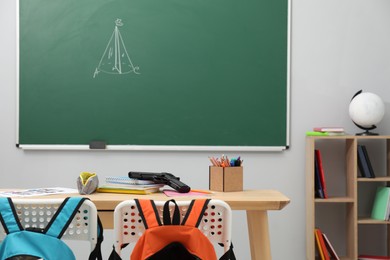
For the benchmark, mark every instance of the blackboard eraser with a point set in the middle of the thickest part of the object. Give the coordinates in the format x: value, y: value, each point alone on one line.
x: 97, y: 145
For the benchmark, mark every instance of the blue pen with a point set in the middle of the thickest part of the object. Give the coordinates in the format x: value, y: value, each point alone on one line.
x: 233, y: 162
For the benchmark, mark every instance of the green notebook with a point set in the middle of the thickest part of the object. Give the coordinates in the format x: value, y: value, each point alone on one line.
x: 381, y: 204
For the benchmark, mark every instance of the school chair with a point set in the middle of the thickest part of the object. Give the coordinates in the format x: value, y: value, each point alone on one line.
x: 36, y: 213
x: 215, y: 223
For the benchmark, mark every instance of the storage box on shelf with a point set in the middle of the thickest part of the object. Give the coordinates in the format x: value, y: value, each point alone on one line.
x: 345, y: 215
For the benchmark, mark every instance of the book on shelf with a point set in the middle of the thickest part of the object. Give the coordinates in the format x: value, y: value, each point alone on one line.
x: 318, y: 158
x: 320, y: 242
x: 318, y: 245
x: 329, y: 246
x: 363, y: 163
x: 373, y: 257
x: 380, y: 208
x: 372, y: 174
x: 333, y: 129
x: 319, y: 192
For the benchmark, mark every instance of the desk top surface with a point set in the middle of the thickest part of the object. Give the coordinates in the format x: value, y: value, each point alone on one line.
x: 239, y: 200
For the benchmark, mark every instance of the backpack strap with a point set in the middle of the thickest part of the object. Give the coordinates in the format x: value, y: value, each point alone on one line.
x: 148, y: 213
x: 195, y: 212
x: 194, y: 216
x: 8, y: 217
x: 97, y: 252
x: 228, y: 255
x: 63, y: 216
x: 175, y: 220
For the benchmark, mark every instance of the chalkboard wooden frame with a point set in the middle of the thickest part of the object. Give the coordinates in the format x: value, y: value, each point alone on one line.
x: 28, y: 100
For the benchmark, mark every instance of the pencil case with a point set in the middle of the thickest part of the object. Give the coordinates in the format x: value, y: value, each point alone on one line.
x: 87, y: 183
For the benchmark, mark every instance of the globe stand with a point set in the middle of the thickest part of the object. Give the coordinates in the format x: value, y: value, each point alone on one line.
x: 367, y: 132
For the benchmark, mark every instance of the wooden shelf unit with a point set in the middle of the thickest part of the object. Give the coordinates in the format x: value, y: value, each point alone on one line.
x: 348, y: 197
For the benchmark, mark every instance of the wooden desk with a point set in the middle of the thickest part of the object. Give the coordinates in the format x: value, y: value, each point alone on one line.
x: 256, y: 203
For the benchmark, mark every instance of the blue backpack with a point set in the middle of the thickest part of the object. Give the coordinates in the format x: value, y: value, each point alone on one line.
x: 36, y: 243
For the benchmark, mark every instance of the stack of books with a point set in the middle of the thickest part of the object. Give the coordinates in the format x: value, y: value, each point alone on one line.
x: 325, y: 249
x: 381, y: 206
x: 319, y: 178
x: 364, y: 163
x: 124, y: 184
x: 326, y: 131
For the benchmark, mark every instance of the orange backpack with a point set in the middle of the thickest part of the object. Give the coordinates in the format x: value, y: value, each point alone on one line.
x: 173, y: 239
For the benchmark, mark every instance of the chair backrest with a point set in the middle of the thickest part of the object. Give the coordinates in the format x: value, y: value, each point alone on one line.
x: 215, y: 224
x: 38, y: 212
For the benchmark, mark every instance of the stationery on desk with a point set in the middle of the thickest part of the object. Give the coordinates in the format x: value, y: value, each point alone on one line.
x: 225, y: 174
x: 124, y: 184
x: 126, y: 180
x: 130, y: 189
x: 37, y: 192
x: 231, y: 179
x: 126, y: 191
x: 192, y: 193
x: 225, y: 162
x: 146, y: 183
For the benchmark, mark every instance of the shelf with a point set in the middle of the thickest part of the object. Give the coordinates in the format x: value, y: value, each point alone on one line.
x: 335, y: 200
x: 376, y: 179
x: 346, y: 218
x: 367, y: 220
x: 354, y: 137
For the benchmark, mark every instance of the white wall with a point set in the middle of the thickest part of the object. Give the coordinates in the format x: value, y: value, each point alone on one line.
x: 338, y: 48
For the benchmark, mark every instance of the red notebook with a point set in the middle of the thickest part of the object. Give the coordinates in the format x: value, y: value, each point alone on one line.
x: 321, y: 172
x: 324, y: 254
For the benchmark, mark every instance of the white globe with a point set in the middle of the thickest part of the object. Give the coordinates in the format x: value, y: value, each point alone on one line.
x: 366, y: 109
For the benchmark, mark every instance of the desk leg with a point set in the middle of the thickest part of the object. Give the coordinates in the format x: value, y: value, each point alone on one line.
x: 107, y: 219
x: 259, y: 234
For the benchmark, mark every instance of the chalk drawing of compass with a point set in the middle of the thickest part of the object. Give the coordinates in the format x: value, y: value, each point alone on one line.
x: 116, y: 59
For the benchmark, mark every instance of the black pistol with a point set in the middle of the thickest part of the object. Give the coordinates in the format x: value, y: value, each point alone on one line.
x: 162, y: 178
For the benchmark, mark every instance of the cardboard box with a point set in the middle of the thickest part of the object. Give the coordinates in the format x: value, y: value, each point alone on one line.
x: 225, y: 178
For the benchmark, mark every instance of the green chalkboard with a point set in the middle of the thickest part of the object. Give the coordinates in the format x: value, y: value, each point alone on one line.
x: 154, y: 72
